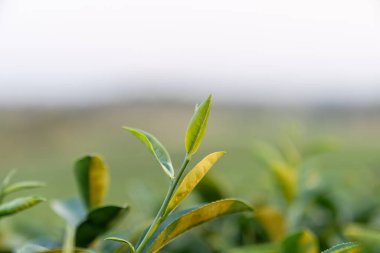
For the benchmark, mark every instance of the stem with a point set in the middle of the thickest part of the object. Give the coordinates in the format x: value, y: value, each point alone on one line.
x: 68, y: 246
x: 160, y: 217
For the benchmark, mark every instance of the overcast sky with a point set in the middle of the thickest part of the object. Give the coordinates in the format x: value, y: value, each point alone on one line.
x: 297, y: 51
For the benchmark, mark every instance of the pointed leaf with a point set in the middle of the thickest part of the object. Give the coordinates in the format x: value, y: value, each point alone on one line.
x: 22, y: 186
x: 300, y: 242
x: 192, y: 179
x: 192, y: 218
x: 98, y: 222
x: 18, y: 205
x: 348, y: 247
x: 157, y: 149
x: 197, y: 126
x: 92, y: 178
x: 117, y: 239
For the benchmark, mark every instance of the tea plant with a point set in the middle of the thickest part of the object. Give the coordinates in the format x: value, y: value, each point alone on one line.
x: 167, y: 224
x: 19, y: 204
x: 89, y: 218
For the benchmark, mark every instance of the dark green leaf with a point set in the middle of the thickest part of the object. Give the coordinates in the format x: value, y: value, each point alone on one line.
x: 98, y: 222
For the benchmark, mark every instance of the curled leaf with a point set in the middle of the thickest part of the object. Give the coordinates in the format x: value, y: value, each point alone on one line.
x: 192, y: 179
x: 157, y: 149
x: 197, y: 126
x: 117, y: 239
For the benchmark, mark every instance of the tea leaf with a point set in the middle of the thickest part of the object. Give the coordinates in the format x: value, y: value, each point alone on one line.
x: 191, y: 180
x: 157, y: 149
x: 18, y: 205
x: 286, y: 179
x: 348, y: 247
x: 300, y: 242
x: 170, y: 229
x: 117, y: 239
x: 197, y: 126
x: 273, y: 222
x: 98, y: 222
x: 22, y: 186
x: 92, y: 178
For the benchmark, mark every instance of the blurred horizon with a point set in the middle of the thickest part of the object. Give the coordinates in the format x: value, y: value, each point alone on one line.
x: 62, y: 53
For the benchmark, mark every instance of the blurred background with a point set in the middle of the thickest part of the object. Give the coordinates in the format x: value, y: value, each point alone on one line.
x: 72, y: 73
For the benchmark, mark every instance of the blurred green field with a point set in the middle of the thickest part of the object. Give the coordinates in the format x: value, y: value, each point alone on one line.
x: 43, y: 144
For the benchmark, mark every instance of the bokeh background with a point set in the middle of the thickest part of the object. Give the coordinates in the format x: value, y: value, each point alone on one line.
x: 72, y: 73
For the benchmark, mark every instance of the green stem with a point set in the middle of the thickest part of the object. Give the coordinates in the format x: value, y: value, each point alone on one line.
x: 160, y: 217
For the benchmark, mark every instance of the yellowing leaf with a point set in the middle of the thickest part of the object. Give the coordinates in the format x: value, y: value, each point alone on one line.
x: 194, y: 218
x: 300, y: 242
x: 157, y: 149
x: 272, y: 221
x: 92, y: 177
x: 286, y: 179
x: 191, y: 180
x: 197, y: 126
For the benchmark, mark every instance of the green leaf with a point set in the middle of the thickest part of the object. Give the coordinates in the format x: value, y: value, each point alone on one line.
x: 192, y: 179
x: 197, y: 126
x: 300, y: 242
x: 348, y: 247
x: 92, y: 178
x: 22, y: 186
x: 98, y: 222
x: 157, y: 149
x: 170, y: 229
x: 18, y: 205
x: 117, y: 239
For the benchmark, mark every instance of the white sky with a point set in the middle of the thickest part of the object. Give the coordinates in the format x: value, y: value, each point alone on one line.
x: 66, y: 51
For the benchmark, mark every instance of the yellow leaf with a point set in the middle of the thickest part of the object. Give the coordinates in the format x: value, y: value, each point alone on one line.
x: 192, y: 179
x: 194, y: 218
x: 272, y: 221
x: 286, y: 178
x: 99, y: 180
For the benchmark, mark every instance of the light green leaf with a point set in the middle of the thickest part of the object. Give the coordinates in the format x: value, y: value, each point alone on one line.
x: 98, y: 222
x: 18, y: 205
x: 117, y: 239
x: 71, y: 210
x: 192, y: 179
x: 92, y: 178
x: 197, y: 126
x: 157, y: 149
x: 192, y: 218
x: 348, y: 247
x: 22, y: 186
x: 300, y: 242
